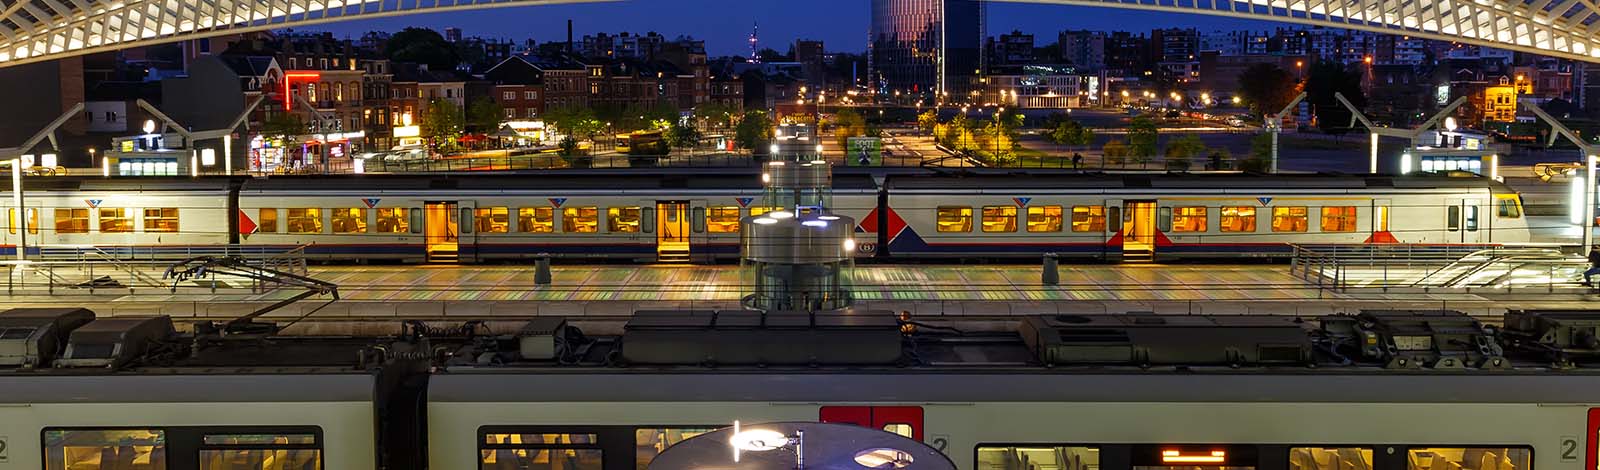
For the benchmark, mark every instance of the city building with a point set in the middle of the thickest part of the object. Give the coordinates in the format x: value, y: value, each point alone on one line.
x: 1176, y: 53
x: 622, y: 46
x: 1035, y: 87
x: 377, y: 84
x: 1085, y: 50
x: 1127, y: 55
x: 925, y: 47
x: 1219, y: 73
x: 1015, y: 48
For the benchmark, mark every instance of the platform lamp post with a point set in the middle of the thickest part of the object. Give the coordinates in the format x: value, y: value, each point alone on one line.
x: 1274, y: 125
x: 1591, y: 154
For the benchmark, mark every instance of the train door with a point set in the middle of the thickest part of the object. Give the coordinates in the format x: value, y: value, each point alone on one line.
x: 1113, y: 228
x: 1591, y: 441
x: 467, y: 238
x: 1139, y: 236
x: 672, y: 231
x: 903, y: 420
x: 1463, y: 221
x: 1380, y: 222
x: 698, y: 238
x: 441, y: 231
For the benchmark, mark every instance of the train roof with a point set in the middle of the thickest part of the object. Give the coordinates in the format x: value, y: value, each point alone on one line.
x: 746, y: 180
x: 1181, y: 181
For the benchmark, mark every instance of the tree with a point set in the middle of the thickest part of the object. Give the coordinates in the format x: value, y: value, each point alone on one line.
x: 1142, y: 135
x: 441, y: 123
x: 719, y: 114
x: 1180, y: 152
x: 848, y: 123
x: 423, y: 46
x: 1116, y: 152
x: 568, y: 146
x: 1267, y: 88
x: 1070, y: 132
x: 484, y: 115
x: 283, y: 126
x: 996, y: 141
x: 683, y: 136
x: 753, y: 130
x: 1325, y: 79
x: 1260, y: 154
x: 574, y: 121
x: 927, y: 120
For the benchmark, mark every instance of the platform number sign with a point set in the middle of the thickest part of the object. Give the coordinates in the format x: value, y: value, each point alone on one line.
x: 5, y: 451
x: 1569, y: 449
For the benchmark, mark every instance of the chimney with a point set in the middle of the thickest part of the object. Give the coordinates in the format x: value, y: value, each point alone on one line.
x: 569, y: 35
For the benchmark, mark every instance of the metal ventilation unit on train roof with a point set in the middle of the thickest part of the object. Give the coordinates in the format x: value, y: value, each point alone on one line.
x: 114, y: 342
x: 1414, y: 339
x: 1148, y: 339
x: 1565, y: 336
x: 32, y: 337
x: 687, y: 337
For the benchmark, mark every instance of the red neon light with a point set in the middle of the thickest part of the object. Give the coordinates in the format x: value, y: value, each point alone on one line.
x: 288, y: 100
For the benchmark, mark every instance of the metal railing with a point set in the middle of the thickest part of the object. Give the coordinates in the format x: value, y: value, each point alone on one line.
x: 91, y: 269
x: 1430, y: 267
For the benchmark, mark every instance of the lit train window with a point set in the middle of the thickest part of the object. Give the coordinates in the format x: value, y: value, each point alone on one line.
x: 536, y: 219
x: 72, y: 220
x: 651, y: 442
x: 307, y: 220
x: 954, y: 219
x: 1452, y: 218
x: 33, y: 221
x: 392, y: 220
x: 1000, y: 218
x: 1037, y: 457
x: 1088, y: 218
x: 1339, y: 219
x: 161, y: 219
x: 267, y: 221
x: 622, y: 219
x: 756, y: 211
x: 901, y: 429
x: 542, y: 438
x: 519, y: 451
x: 1044, y: 218
x: 1289, y: 219
x: 115, y: 220
x: 580, y: 219
x: 1330, y: 458
x: 96, y: 449
x: 1468, y: 458
x: 350, y: 220
x: 1238, y: 219
x: 1507, y: 206
x: 493, y: 219
x: 1472, y: 218
x: 263, y: 451
x: 1189, y: 219
x: 722, y: 219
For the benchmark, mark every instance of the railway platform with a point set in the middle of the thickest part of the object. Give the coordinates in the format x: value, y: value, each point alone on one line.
x: 615, y: 291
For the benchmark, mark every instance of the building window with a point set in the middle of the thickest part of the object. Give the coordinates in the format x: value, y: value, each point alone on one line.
x: 1238, y: 219
x: 93, y: 449
x: 338, y: 92
x: 1044, y: 218
x: 1189, y: 219
x: 1289, y: 219
x: 267, y: 221
x: 1088, y: 218
x: 115, y: 220
x: 393, y: 220
x: 622, y: 219
x: 722, y: 219
x: 1000, y: 218
x: 350, y: 220
x: 307, y: 220
x: 493, y: 220
x: 536, y: 219
x: 508, y: 95
x: 530, y: 95
x: 580, y: 219
x: 511, y: 113
x: 161, y: 220
x: 532, y: 113
x: 951, y: 219
x: 1339, y: 219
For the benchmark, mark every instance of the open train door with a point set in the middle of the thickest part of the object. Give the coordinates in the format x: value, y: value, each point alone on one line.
x: 1380, y: 223
x: 441, y: 231
x: 903, y: 420
x: 672, y: 231
x: 1139, y: 231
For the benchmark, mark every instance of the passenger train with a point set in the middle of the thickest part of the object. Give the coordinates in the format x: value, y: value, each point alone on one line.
x: 653, y: 217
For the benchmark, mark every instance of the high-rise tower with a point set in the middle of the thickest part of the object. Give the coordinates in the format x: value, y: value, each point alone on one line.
x: 926, y: 47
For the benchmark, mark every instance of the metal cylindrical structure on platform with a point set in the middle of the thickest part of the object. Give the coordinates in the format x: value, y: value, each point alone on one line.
x: 798, y: 252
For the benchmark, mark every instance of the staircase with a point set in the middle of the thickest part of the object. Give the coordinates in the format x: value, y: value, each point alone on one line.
x: 672, y: 253
x: 443, y: 256
x: 1138, y: 256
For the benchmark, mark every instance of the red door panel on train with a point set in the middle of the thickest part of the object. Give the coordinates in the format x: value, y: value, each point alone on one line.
x: 902, y: 420
x: 1591, y: 439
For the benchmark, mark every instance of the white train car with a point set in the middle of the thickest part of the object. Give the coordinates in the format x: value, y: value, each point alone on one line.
x: 52, y: 421
x: 127, y: 215
x: 1036, y: 420
x: 1175, y: 216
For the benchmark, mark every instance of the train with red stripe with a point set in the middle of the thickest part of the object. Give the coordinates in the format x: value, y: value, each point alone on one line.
x: 696, y: 217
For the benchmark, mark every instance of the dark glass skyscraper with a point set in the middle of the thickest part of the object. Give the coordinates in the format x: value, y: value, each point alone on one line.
x: 926, y: 47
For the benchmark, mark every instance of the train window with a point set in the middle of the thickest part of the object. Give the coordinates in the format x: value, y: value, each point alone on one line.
x: 115, y: 220
x: 1507, y: 206
x: 161, y: 220
x: 536, y: 219
x: 1382, y: 216
x: 33, y: 221
x: 267, y: 221
x: 622, y: 219
x: 1036, y: 457
x: 1452, y: 218
x: 1189, y: 219
x: 1289, y: 219
x: 1164, y: 219
x: 260, y: 452
x: 1114, y: 217
x: 901, y: 429
x: 955, y: 219
x: 651, y: 442
x: 540, y: 451
x: 72, y: 220
x: 1468, y: 458
x: 539, y: 439
x: 392, y: 220
x: 349, y: 220
x: 999, y: 218
x: 1238, y: 219
x: 1472, y: 218
x: 1330, y: 458
x: 493, y: 219
x: 417, y: 221
x: 1088, y: 218
x: 722, y: 219
x: 1044, y: 218
x: 697, y: 219
x: 756, y: 211
x: 580, y: 219
x: 306, y: 220
x: 1339, y: 219
x: 95, y: 449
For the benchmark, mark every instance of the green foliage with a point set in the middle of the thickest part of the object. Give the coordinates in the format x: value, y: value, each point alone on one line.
x: 848, y: 123
x: 283, y: 126
x: 568, y: 146
x: 753, y: 131
x: 423, y: 46
x: 441, y: 123
x: 1260, y: 159
x: 484, y: 115
x: 927, y: 120
x: 1070, y: 132
x: 1267, y: 88
x: 1325, y: 79
x: 1116, y: 152
x: 1180, y: 152
x: 575, y: 121
x: 682, y: 136
x: 1142, y: 136
x: 717, y: 114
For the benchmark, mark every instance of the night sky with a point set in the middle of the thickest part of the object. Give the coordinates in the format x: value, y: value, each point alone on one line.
x: 724, y: 24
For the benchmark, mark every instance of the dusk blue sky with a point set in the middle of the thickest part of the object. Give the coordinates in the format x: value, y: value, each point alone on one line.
x: 724, y: 24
